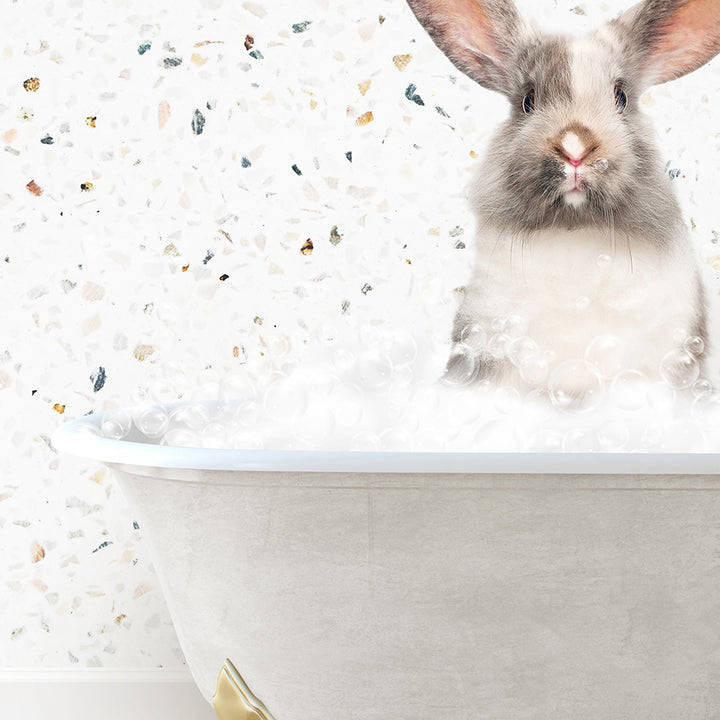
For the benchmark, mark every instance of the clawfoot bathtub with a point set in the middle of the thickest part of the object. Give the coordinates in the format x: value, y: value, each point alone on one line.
x: 413, y: 586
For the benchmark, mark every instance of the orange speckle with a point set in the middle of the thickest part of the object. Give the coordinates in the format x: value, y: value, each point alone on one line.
x: 163, y: 113
x: 402, y: 61
x: 185, y: 268
x: 143, y: 352
x: 32, y: 84
x: 98, y: 476
x: 365, y: 118
x: 37, y: 551
x: 10, y: 135
x: 236, y: 351
x: 120, y: 618
x: 141, y: 590
x: 34, y: 188
x: 58, y: 408
x: 307, y: 247
x: 198, y: 59
x: 364, y: 86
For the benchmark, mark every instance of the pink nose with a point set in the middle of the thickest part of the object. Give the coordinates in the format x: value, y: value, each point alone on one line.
x: 574, y: 161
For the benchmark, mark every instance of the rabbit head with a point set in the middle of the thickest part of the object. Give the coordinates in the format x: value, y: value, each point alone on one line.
x: 575, y: 149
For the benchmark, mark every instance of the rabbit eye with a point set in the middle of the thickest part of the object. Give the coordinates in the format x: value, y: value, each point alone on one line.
x: 621, y: 98
x: 528, y: 104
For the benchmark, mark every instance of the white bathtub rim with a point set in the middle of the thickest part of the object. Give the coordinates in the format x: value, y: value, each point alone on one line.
x: 75, y: 437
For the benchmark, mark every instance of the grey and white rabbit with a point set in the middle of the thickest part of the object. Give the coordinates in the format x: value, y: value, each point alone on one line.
x: 579, y: 232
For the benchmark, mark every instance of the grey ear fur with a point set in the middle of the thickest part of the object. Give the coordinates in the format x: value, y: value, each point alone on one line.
x: 478, y: 36
x: 670, y: 38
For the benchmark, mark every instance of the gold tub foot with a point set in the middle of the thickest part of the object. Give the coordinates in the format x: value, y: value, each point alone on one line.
x: 233, y: 699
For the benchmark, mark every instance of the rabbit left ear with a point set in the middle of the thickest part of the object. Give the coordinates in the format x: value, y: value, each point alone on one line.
x: 672, y: 37
x: 479, y: 36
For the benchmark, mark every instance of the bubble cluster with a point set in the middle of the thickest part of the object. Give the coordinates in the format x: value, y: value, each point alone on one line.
x: 382, y: 393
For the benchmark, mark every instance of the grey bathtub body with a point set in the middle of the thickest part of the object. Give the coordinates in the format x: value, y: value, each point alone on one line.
x: 588, y: 588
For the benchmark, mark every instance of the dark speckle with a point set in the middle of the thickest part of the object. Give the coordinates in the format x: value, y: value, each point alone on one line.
x: 256, y: 54
x: 172, y: 62
x: 103, y: 545
x: 245, y: 162
x: 410, y: 94
x: 348, y: 155
x: 198, y: 122
x: 142, y: 49
x: 135, y: 525
x: 224, y: 277
x: 367, y: 287
x: 674, y: 173
x: 98, y: 379
x: 296, y: 170
x: 301, y: 26
x: 441, y: 111
x: 47, y: 140
x: 208, y: 257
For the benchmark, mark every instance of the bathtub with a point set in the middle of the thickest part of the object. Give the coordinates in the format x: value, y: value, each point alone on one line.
x: 413, y: 586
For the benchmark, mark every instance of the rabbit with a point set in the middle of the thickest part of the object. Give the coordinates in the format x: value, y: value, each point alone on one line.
x: 581, y: 255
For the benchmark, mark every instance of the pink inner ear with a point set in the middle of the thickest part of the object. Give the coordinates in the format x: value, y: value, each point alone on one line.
x: 465, y: 23
x: 689, y: 40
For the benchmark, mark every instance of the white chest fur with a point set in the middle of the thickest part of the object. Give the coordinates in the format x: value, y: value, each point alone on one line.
x: 566, y: 288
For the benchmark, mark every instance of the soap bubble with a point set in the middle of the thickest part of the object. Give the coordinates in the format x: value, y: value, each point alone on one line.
x: 545, y: 441
x: 237, y: 385
x: 521, y: 348
x: 679, y: 369
x: 193, y: 416
x: 214, y: 435
x: 346, y: 402
x: 285, y: 399
x: 534, y: 369
x: 694, y: 345
x: 181, y: 437
x: 516, y: 326
x: 613, y: 435
x: 365, y: 441
x: 575, y: 386
x: 396, y: 439
x: 607, y: 353
x: 374, y: 369
x: 116, y: 425
x: 401, y: 348
x: 506, y: 400
x: 474, y: 337
x: 152, y: 421
x: 661, y: 396
x: 279, y: 346
x: 702, y: 389
x: 685, y: 435
x: 499, y: 345
x: 601, y: 165
x: 462, y: 366
x: 248, y: 414
x: 343, y: 360
x: 580, y: 440
x: 498, y: 324
x: 630, y: 390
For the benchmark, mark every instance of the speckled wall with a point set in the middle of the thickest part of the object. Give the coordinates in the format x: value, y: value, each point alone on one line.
x: 187, y: 190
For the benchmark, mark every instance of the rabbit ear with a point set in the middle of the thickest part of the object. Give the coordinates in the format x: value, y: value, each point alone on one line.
x: 479, y: 36
x: 673, y: 37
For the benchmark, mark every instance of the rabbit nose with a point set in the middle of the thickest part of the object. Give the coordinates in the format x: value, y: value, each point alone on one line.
x: 575, y: 145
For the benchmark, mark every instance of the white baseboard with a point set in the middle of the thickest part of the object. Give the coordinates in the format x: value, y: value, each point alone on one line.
x: 101, y: 694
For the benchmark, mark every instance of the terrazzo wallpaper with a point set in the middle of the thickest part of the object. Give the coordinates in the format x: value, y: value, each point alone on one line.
x: 186, y: 189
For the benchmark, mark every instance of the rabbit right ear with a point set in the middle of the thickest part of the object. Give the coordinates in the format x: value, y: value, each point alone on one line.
x: 479, y: 36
